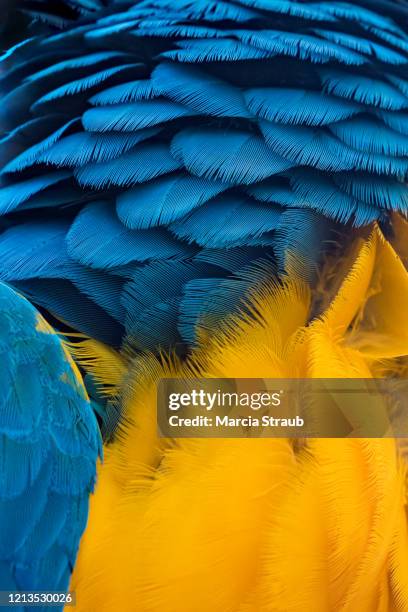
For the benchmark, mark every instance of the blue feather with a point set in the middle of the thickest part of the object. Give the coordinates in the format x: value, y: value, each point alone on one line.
x: 228, y: 260
x: 201, y: 51
x: 402, y: 84
x: 396, y: 121
x: 81, y: 85
x: 20, y: 516
x: 125, y: 93
x: 208, y: 300
x: 165, y: 200
x: 152, y: 307
x: 75, y: 64
x: 137, y: 166
x: 367, y: 134
x: 15, y: 194
x: 42, y: 389
x: 317, y: 148
x: 20, y: 461
x: 134, y: 12
x: 203, y: 93
x: 275, y: 190
x: 15, y: 106
x: 201, y: 297
x: 356, y: 43
x: 300, y: 241
x: 114, y: 30
x: 28, y: 133
x: 19, y: 48
x: 146, y: 288
x: 370, y: 48
x: 362, y: 89
x: 172, y: 29
x: 85, y: 147
x: 48, y: 529
x: 54, y: 197
x: 298, y: 106
x: 307, y: 146
x: 364, y: 214
x: 49, y: 19
x: 31, y: 155
x: 305, y: 47
x: 17, y: 397
x: 61, y: 298
x: 386, y: 193
x: 235, y: 157
x: 319, y: 192
x: 154, y: 328
x: 227, y: 221
x: 67, y: 37
x: 354, y: 13
x: 98, y: 239
x: 44, y: 537
x: 395, y: 41
x: 104, y: 289
x: 208, y: 10
x: 70, y: 473
x: 130, y: 117
x: 34, y: 250
x: 294, y: 9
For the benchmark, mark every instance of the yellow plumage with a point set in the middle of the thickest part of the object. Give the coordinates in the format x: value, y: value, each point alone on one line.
x: 259, y: 525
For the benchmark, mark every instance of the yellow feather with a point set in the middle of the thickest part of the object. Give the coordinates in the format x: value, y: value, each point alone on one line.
x: 106, y: 365
x: 213, y: 525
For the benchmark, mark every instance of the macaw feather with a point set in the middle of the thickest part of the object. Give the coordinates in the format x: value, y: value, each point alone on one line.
x: 106, y: 365
x: 44, y: 242
x: 81, y: 86
x: 170, y: 112
x: 125, y: 93
x: 11, y: 196
x: 136, y: 166
x: 99, y: 240
x: 85, y: 147
x: 234, y: 157
x: 164, y: 200
x: 371, y: 92
x: 298, y: 107
x: 50, y: 445
x: 330, y: 515
x: 308, y: 47
x: 202, y: 92
x: 227, y: 221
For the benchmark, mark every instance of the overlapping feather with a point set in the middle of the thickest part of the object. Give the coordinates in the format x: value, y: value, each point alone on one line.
x: 171, y: 112
x: 318, y: 526
x: 50, y: 443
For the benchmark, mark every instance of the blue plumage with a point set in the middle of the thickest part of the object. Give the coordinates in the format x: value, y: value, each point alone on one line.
x: 99, y: 240
x: 238, y: 158
x: 157, y: 141
x: 12, y: 196
x: 49, y: 445
x: 164, y: 200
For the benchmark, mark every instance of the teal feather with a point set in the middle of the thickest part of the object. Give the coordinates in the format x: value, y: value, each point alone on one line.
x: 38, y: 495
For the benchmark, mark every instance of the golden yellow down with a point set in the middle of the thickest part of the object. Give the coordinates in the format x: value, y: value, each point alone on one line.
x: 260, y: 525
